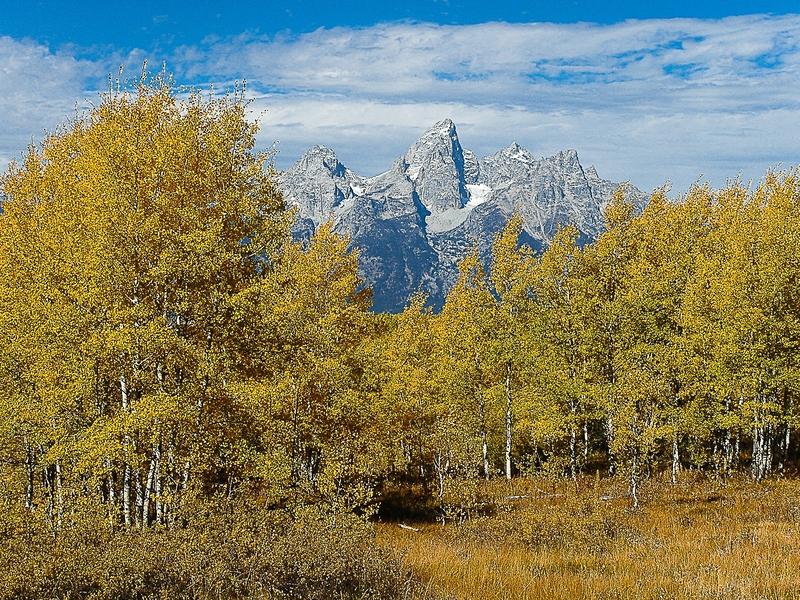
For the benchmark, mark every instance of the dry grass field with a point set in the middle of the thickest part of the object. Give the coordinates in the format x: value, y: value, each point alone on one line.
x: 698, y: 539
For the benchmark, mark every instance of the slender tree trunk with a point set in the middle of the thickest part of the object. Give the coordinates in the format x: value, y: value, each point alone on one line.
x: 756, y: 462
x: 787, y: 442
x: 168, y: 516
x: 484, y: 442
x: 610, y: 440
x: 126, y: 476
x: 151, y: 474
x: 573, y: 453
x: 766, y: 468
x: 585, y: 443
x: 59, y: 496
x: 634, y: 480
x: 676, y: 460
x: 138, y: 486
x: 111, y: 483
x: 126, y: 496
x: 573, y: 443
x: 159, y: 516
x: 185, y: 476
x: 30, y: 474
x: 727, y: 448
x: 441, y: 466
x: 48, y: 485
x: 485, y: 451
x: 738, y: 443
x: 509, y: 420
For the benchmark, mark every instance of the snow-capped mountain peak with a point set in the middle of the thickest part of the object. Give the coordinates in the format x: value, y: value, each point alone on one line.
x: 415, y: 222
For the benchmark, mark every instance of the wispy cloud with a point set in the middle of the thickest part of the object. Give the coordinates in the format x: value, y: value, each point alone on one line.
x: 644, y: 100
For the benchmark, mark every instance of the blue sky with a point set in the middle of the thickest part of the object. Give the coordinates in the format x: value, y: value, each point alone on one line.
x: 166, y: 23
x: 650, y: 92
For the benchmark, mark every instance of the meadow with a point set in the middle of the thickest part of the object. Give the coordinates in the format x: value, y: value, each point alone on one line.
x: 698, y: 539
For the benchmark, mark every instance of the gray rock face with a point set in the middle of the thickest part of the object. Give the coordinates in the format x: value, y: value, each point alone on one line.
x: 320, y: 186
x: 414, y: 223
x: 435, y: 165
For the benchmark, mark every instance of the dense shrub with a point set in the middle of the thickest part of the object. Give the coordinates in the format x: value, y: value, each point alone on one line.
x: 244, y: 553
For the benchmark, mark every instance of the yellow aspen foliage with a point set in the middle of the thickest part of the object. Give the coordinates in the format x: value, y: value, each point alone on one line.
x: 123, y: 241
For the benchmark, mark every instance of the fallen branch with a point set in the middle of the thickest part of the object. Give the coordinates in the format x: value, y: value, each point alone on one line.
x: 404, y: 526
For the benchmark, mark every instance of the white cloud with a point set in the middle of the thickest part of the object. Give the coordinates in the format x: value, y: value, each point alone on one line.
x: 644, y: 100
x: 39, y: 90
x: 648, y: 150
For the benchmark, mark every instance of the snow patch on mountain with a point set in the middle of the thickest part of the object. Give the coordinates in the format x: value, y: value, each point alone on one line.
x: 478, y: 194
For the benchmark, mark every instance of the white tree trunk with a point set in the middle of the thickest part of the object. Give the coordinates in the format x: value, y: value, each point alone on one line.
x: 509, y: 420
x: 484, y: 442
x: 59, y: 496
x: 585, y: 443
x: 30, y: 468
x: 727, y: 448
x: 676, y: 460
x: 573, y: 453
x: 151, y: 474
x: 126, y: 476
x: 610, y: 437
x: 157, y: 486
x: 757, y: 460
x: 787, y: 442
x: 634, y: 481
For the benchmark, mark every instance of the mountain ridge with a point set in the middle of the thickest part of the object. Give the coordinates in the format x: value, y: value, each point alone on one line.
x: 416, y: 221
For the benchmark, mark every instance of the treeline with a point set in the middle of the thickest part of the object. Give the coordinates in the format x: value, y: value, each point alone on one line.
x: 669, y: 343
x: 166, y: 344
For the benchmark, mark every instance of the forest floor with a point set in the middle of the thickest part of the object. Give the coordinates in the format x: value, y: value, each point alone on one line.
x: 697, y: 539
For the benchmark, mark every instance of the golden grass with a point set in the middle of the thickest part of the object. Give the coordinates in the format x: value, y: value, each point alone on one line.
x: 694, y: 540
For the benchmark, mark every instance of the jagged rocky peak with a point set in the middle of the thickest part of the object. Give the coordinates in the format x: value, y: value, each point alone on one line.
x: 415, y: 222
x: 318, y: 184
x: 392, y: 190
x: 511, y: 163
x: 517, y: 152
x: 472, y: 168
x: 567, y: 159
x: 435, y: 164
x: 321, y: 157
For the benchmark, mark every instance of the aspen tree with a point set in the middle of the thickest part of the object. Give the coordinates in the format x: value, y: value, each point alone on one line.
x: 510, y: 277
x: 608, y: 261
x: 468, y: 328
x: 562, y: 369
x: 317, y: 410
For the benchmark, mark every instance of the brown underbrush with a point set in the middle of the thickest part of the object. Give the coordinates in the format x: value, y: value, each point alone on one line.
x: 241, y: 553
x: 698, y: 539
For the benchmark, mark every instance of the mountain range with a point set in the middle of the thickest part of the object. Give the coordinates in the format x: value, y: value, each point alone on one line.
x: 414, y: 223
